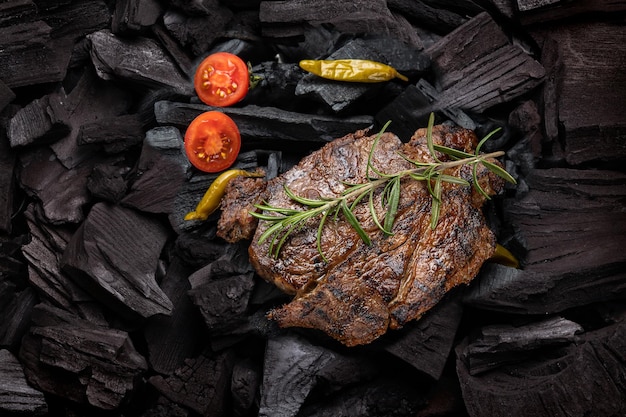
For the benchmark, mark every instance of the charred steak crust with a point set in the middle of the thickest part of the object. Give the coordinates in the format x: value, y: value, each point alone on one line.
x: 235, y: 222
x: 364, y: 290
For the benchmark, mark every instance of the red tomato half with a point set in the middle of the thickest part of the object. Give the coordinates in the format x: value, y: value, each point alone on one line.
x: 212, y: 141
x: 222, y: 79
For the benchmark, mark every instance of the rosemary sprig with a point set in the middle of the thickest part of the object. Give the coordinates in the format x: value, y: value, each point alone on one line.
x: 286, y: 221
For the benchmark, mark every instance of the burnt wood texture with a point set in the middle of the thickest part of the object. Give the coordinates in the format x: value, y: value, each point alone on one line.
x: 112, y: 305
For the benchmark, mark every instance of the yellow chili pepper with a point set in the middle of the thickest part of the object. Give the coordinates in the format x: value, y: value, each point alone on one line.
x: 213, y: 196
x: 504, y: 257
x: 352, y: 70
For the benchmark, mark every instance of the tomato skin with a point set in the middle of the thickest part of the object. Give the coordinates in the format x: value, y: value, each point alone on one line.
x: 212, y: 141
x: 222, y: 79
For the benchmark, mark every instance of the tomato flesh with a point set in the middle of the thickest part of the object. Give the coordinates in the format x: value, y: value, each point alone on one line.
x: 222, y: 79
x: 212, y: 142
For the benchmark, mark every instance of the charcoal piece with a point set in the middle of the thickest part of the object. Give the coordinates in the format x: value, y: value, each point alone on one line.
x: 151, y: 191
x: 427, y: 343
x: 569, y: 231
x: 139, y: 59
x: 12, y: 11
x: 501, y: 344
x: 526, y: 5
x: 379, y: 398
x: 75, y: 19
x: 244, y: 387
x: 172, y: 339
x: 113, y: 135
x: 277, y: 85
x: 583, y: 378
x: 18, y: 397
x: 201, y: 384
x: 477, y: 67
x: 6, y: 95
x: 190, y: 30
x: 25, y: 46
x: 43, y: 253
x: 441, y: 20
x: 90, y: 100
x: 114, y: 255
x: 290, y: 18
x: 222, y: 290
x: 289, y: 374
x: 173, y: 48
x: 593, y: 129
x: 15, y: 307
x: 134, y: 15
x: 340, y: 96
x: 61, y: 191
x: 197, y: 6
x: 7, y: 184
x: 164, y: 407
x: 269, y: 127
x: 569, y: 9
x: 78, y: 360
x: 42, y: 121
x: 107, y: 182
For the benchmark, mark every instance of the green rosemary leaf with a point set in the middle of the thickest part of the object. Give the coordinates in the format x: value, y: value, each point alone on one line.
x: 455, y: 153
x: 302, y: 200
x: 501, y: 172
x: 281, y: 210
x: 477, y: 184
x: 372, y: 209
x: 454, y: 180
x: 354, y: 222
x: 435, y: 208
x: 272, y: 230
x: 485, y: 139
x: 370, y: 156
x: 392, y: 202
x: 318, y: 236
x: 429, y: 137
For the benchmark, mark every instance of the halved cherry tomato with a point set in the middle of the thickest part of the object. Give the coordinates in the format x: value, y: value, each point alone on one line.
x: 222, y: 79
x: 212, y: 141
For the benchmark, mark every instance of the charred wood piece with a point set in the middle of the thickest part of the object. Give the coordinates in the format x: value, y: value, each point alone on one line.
x: 478, y: 67
x: 78, y: 360
x: 502, y: 344
x: 222, y: 291
x: 135, y: 15
x: 114, y: 255
x: 42, y: 121
x: 191, y: 30
x: 113, y: 135
x: 141, y: 60
x: 569, y: 231
x: 427, y: 343
x: 268, y: 126
x: 18, y: 398
x: 586, y: 377
x: 201, y: 384
x: 289, y: 374
x: 150, y: 190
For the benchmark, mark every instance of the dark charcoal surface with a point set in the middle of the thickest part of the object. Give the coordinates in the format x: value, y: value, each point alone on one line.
x: 113, y: 305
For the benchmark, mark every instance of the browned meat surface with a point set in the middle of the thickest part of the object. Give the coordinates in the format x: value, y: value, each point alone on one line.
x: 364, y: 290
x: 241, y: 194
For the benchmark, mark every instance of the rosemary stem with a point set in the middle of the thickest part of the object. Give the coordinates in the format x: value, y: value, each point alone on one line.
x: 372, y: 185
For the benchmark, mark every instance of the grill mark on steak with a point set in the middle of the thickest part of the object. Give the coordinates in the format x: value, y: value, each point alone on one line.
x: 364, y: 290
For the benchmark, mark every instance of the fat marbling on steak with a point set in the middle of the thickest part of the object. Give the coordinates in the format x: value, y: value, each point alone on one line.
x: 363, y: 290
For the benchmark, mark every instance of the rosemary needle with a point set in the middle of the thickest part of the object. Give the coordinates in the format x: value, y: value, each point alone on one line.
x: 286, y: 221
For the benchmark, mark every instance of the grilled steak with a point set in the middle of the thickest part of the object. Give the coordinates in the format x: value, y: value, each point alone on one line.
x: 361, y: 291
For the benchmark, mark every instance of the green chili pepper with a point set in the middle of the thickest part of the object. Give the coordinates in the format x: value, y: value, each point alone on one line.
x: 352, y: 70
x: 502, y: 256
x: 211, y: 199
